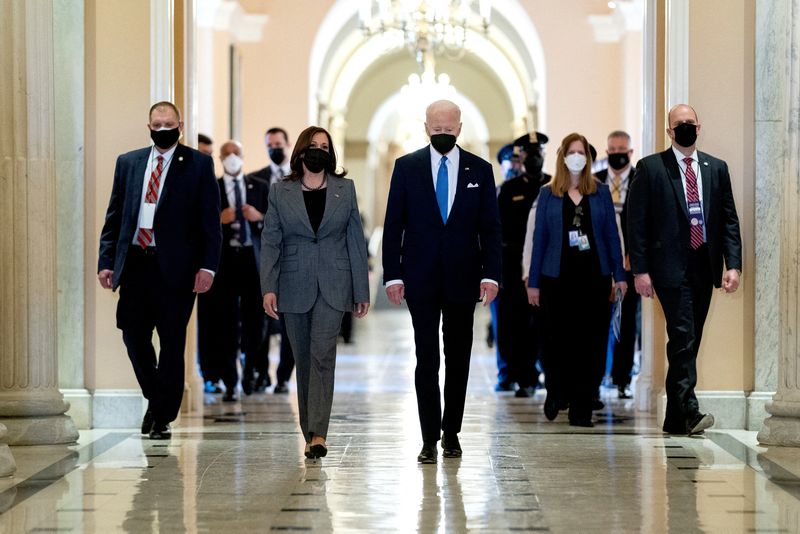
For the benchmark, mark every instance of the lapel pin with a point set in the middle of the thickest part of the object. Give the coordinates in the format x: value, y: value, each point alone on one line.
x: 466, y: 168
x: 336, y: 195
x: 705, y: 163
x: 180, y: 158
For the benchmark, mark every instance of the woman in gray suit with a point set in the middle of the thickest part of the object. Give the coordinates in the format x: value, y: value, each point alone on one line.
x: 313, y: 270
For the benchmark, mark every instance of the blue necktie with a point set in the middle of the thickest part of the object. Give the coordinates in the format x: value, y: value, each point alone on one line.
x: 441, y: 188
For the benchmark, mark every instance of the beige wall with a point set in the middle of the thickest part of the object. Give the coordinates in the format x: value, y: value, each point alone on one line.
x: 721, y: 88
x: 117, y: 100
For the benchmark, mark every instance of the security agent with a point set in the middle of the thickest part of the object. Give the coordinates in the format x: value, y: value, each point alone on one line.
x: 517, y: 345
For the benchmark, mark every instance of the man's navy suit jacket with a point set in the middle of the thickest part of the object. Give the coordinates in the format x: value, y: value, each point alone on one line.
x: 433, y: 259
x: 186, y: 227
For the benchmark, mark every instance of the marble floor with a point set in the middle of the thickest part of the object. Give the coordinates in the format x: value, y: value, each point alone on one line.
x: 239, y: 467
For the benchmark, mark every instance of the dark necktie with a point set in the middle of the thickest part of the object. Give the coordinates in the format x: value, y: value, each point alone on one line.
x: 695, y: 230
x: 239, y: 230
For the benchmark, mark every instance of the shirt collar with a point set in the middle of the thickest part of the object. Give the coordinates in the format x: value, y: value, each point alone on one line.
x: 228, y: 178
x: 285, y: 168
x: 167, y: 155
x: 436, y: 157
x: 680, y: 156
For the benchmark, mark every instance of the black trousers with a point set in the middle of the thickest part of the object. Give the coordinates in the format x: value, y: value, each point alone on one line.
x: 625, y: 346
x: 231, y: 315
x: 685, y: 310
x: 516, y: 339
x: 575, y: 334
x: 147, y: 303
x: 456, y: 319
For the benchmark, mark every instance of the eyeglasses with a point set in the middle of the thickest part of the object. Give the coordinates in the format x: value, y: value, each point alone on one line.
x: 576, y: 221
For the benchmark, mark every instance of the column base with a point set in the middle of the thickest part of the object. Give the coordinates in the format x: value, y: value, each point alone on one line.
x: 781, y: 431
x: 80, y: 407
x: 117, y: 408
x: 7, y: 464
x: 757, y: 408
x: 45, y: 430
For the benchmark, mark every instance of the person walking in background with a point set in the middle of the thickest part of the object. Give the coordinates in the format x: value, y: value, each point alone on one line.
x: 576, y: 251
x: 441, y: 252
x: 230, y: 315
x: 276, y: 140
x: 682, y: 227
x: 160, y: 245
x: 313, y: 269
x: 618, y: 177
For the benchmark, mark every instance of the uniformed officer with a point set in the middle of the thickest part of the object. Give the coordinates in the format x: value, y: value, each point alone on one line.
x: 517, y: 344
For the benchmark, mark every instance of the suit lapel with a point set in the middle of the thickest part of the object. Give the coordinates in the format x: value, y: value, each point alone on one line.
x: 137, y: 184
x: 426, y: 175
x: 674, y: 173
x: 176, y: 171
x: 223, y: 194
x: 463, y: 179
x: 295, y: 202
x: 333, y: 198
x: 705, y: 178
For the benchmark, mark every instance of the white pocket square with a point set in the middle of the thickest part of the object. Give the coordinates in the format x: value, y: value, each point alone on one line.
x: 471, y: 185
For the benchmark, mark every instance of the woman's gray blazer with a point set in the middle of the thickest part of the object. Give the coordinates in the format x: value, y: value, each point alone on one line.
x: 297, y: 264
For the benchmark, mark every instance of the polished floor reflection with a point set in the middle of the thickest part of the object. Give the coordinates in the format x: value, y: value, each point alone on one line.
x: 240, y: 468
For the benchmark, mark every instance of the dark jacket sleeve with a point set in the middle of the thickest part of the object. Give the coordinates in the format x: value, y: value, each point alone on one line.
x: 541, y: 237
x: 211, y: 228
x: 394, y: 224
x: 612, y: 236
x: 489, y: 231
x: 731, y: 236
x: 111, y: 228
x: 357, y: 251
x: 639, y: 198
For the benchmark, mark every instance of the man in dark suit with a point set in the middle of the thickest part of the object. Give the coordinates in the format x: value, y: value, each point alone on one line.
x: 682, y: 226
x: 517, y: 343
x: 279, y: 149
x: 235, y: 298
x: 618, y: 177
x: 441, y: 252
x: 160, y: 245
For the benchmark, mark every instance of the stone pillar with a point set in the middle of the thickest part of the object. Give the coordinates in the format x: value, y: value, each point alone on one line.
x: 31, y: 406
x: 779, y: 77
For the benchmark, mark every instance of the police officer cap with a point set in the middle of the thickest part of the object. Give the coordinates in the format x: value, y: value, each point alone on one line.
x: 531, y: 139
x: 505, y: 153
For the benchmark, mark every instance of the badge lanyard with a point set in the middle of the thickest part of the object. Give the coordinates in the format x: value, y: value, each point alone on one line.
x: 695, y: 208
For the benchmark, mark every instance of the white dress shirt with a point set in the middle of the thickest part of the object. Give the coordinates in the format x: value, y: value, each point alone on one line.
x: 152, y: 163
x: 278, y: 172
x: 231, y: 183
x: 696, y: 166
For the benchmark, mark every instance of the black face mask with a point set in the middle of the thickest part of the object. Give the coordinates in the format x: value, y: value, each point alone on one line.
x: 165, y: 138
x: 533, y: 164
x: 685, y: 134
x: 316, y: 159
x: 618, y: 161
x: 443, y: 143
x: 276, y: 155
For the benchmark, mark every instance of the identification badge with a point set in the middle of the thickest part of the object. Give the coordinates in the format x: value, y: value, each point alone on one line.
x: 574, y: 238
x: 583, y: 242
x: 148, y: 214
x: 696, y: 214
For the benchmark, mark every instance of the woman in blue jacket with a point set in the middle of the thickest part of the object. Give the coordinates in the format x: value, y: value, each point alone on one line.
x: 576, y: 252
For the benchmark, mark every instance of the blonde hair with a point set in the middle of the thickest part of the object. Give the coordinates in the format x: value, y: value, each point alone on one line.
x: 560, y: 183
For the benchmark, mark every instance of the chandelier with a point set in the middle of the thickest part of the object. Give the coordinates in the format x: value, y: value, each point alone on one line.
x: 435, y: 26
x: 415, y: 96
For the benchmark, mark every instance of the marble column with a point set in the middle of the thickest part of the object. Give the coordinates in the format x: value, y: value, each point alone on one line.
x: 31, y: 406
x: 778, y: 123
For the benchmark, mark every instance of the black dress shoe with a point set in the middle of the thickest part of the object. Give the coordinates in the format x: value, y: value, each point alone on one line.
x: 428, y: 454
x: 147, y: 422
x: 319, y: 451
x: 597, y: 404
x: 281, y: 387
x: 699, y: 423
x: 525, y: 392
x: 247, y: 386
x: 262, y: 383
x: 550, y: 407
x: 229, y: 396
x: 160, y: 431
x: 622, y: 393
x: 451, y: 448
x: 583, y: 422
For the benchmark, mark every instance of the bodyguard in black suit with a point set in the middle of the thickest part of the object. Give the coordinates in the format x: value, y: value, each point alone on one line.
x: 160, y: 245
x: 682, y: 226
x: 235, y: 298
x: 441, y: 252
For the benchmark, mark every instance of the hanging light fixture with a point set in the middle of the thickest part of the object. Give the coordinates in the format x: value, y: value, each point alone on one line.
x: 437, y: 26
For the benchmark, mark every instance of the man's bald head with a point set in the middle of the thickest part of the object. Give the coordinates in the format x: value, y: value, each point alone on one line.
x: 443, y: 117
x: 681, y: 113
x: 230, y: 147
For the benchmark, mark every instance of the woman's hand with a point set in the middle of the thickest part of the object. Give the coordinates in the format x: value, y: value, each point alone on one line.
x: 533, y: 296
x: 360, y: 309
x: 271, y: 305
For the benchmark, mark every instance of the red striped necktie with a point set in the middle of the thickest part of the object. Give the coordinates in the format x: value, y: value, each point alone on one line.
x: 145, y: 236
x: 695, y: 230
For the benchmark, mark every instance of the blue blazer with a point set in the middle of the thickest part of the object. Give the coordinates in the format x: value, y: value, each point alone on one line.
x: 186, y: 225
x: 437, y: 260
x: 548, y: 235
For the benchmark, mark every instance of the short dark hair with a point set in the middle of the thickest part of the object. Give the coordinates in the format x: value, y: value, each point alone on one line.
x: 303, y: 142
x: 276, y: 129
x: 164, y: 104
x: 620, y: 133
x: 203, y: 138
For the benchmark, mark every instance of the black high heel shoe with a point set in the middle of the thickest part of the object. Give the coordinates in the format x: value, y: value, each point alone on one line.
x: 318, y: 451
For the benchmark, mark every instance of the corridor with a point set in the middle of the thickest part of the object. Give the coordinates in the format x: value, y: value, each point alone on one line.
x: 240, y: 468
